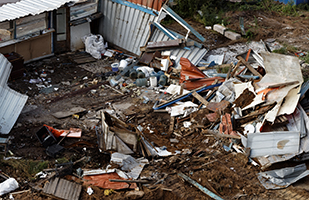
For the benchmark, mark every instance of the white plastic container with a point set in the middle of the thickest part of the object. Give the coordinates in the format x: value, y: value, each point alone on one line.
x: 123, y: 64
x: 153, y: 81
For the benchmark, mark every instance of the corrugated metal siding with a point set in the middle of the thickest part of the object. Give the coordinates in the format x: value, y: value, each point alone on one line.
x: 195, y: 54
x: 128, y: 28
x: 125, y: 26
x: 29, y: 7
x: 11, y: 102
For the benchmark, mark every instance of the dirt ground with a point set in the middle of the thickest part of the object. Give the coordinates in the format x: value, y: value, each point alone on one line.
x: 287, y: 30
x: 226, y: 173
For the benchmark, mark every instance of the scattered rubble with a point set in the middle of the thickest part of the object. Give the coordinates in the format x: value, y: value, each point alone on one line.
x: 154, y: 125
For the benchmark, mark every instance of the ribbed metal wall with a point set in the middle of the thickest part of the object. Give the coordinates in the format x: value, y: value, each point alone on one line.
x: 195, y: 54
x: 128, y: 28
x: 11, y: 102
x: 125, y: 26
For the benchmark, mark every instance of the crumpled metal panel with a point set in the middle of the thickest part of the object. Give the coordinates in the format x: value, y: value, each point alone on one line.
x: 29, y: 7
x: 124, y: 26
x: 11, y: 102
x: 195, y: 54
x: 282, y: 178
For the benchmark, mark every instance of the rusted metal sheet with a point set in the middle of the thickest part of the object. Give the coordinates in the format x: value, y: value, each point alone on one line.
x: 218, y: 106
x: 150, y: 4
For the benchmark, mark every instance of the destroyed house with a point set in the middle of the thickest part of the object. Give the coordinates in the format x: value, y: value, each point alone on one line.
x: 40, y: 28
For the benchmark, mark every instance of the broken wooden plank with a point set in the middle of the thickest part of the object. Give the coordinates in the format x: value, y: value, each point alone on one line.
x: 218, y: 134
x: 256, y: 73
x: 215, y: 66
x: 236, y: 68
x: 172, y: 123
x: 228, y: 75
x: 181, y: 97
x: 130, y: 181
x: 169, y: 43
x: 200, y: 98
x: 200, y: 187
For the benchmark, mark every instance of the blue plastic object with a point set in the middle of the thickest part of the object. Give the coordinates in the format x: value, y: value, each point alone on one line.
x: 296, y: 2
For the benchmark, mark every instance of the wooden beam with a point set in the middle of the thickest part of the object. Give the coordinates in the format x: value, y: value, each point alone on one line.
x: 200, y: 98
x: 256, y: 73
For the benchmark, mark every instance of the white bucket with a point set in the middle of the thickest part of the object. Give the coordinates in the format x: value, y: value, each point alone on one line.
x: 115, y: 67
x: 153, y: 81
x: 123, y: 64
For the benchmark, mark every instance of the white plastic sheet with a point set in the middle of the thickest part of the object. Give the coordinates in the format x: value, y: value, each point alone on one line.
x: 133, y: 167
x: 94, y: 44
x: 8, y: 186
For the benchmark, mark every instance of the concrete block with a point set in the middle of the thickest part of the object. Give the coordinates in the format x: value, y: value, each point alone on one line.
x: 232, y: 35
x: 219, y: 28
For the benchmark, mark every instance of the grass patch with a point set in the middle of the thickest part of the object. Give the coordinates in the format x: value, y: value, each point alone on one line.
x: 62, y: 160
x: 282, y: 50
x: 28, y: 168
x: 305, y: 58
x: 213, y: 11
x: 286, y: 49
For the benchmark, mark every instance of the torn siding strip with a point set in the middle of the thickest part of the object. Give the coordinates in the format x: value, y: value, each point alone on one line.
x: 11, y: 102
x: 135, y: 6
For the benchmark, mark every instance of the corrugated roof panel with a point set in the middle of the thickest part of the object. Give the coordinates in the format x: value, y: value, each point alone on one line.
x: 11, y: 102
x: 26, y: 7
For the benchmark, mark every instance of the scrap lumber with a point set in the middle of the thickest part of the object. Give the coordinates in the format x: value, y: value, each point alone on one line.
x: 172, y: 123
x: 130, y: 181
x: 236, y: 68
x: 256, y: 73
x: 200, y: 98
x: 200, y: 187
x: 216, y: 66
x: 165, y: 45
x: 218, y: 134
x: 228, y: 75
x: 181, y: 97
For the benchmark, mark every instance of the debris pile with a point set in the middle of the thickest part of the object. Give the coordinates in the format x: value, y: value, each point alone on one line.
x: 170, y: 114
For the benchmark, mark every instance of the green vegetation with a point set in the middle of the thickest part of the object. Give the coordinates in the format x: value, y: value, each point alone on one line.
x: 305, y: 58
x: 286, y: 49
x: 212, y: 11
x: 282, y: 50
x: 27, y: 168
